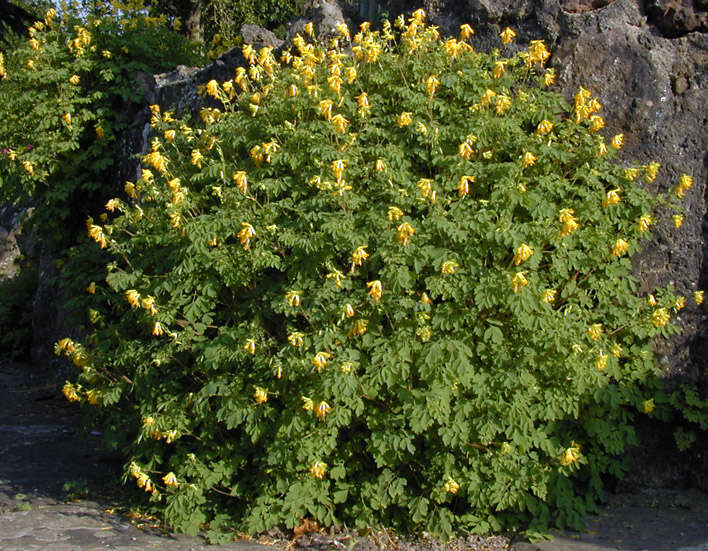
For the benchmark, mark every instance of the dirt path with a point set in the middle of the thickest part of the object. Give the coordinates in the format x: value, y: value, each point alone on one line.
x: 49, y: 470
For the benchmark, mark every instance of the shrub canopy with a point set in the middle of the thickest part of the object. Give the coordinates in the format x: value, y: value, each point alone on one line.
x: 387, y: 280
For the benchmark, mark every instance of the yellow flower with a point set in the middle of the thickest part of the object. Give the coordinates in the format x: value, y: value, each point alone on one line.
x: 507, y: 35
x: 698, y: 297
x: 595, y: 330
x: 212, y: 88
x: 250, y: 346
x: 96, y: 233
x: 91, y: 289
x: 449, y: 267
x: 685, y: 183
x: 596, y: 123
x: 652, y: 170
x: 307, y: 403
x: 296, y: 338
x: 338, y: 168
x: 631, y: 173
x: 158, y: 330
x: 529, y: 159
x: 660, y: 317
x: 74, y: 79
x: 67, y: 118
x: 544, y: 127
x: 503, y: 103
x: 617, y: 141
x: 601, y: 147
x: 644, y: 222
x: 404, y: 119
x: 616, y: 350
x: 394, y: 213
x: 335, y: 83
x: 601, y: 362
x: 518, y: 281
x: 651, y: 300
x: 245, y: 235
x: 92, y: 396
x: 466, y: 150
x: 349, y: 311
x: 326, y: 108
x: 463, y: 188
x: 405, y: 231
x: 466, y: 31
x: 175, y: 219
x: 293, y: 298
x: 549, y: 77
x: 70, y: 392
x: 133, y: 298
x: 375, y: 290
x: 571, y: 455
x: 30, y: 64
x: 260, y: 395
x: 157, y: 161
x: 320, y: 360
x: 498, y: 69
x: 577, y: 349
x: 612, y: 197
x: 28, y: 167
x: 241, y: 179
x: 149, y: 304
x: 359, y: 256
x: 360, y: 327
x: 487, y: 96
x: 538, y: 53
x: 425, y: 298
x: 570, y: 223
x: 549, y: 295
x: 322, y: 409
x: 340, y: 123
x: 451, y: 487
x: 620, y: 247
x: 197, y: 158
x: 425, y: 185
x: 648, y: 405
x: 318, y: 469
x: 523, y: 253
x: 431, y: 85
x: 680, y: 303
x: 678, y: 220
x: 170, y: 479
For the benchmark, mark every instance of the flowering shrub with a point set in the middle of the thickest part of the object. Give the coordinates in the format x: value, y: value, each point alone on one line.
x: 389, y: 287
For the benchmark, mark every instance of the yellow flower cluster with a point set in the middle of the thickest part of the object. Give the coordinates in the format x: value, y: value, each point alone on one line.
x: 595, y: 331
x: 318, y: 469
x: 78, y: 44
x: 570, y: 455
x: 523, y: 253
x: 570, y: 223
x: 143, y: 479
x: 585, y: 106
x: 612, y: 197
x: 518, y: 281
x: 685, y: 183
x: 451, y: 486
x: 260, y: 395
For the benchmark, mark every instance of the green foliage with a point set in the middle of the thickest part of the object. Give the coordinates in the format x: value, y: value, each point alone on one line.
x: 389, y: 288
x: 63, y: 97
